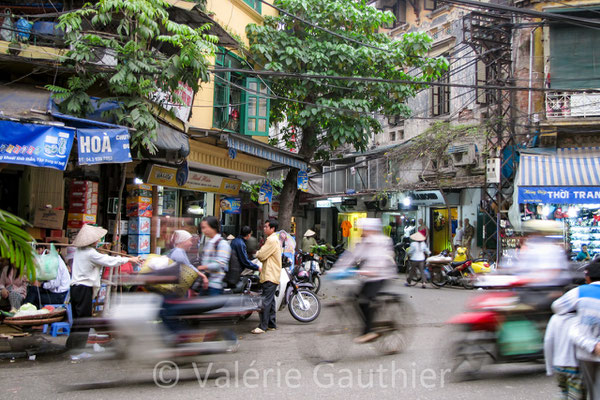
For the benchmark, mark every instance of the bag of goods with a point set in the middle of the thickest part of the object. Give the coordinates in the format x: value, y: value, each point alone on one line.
x: 46, y: 267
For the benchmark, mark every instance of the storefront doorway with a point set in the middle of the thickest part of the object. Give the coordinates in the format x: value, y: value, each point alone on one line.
x: 440, y: 234
x: 347, y: 228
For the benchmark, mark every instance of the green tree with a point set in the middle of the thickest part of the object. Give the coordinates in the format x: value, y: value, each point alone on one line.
x: 285, y: 44
x: 153, y: 55
x: 15, y: 243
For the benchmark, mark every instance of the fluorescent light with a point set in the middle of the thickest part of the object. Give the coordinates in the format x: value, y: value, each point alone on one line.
x: 335, y: 199
x: 406, y: 201
x: 138, y: 181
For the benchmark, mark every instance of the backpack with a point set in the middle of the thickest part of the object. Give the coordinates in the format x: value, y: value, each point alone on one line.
x: 234, y: 269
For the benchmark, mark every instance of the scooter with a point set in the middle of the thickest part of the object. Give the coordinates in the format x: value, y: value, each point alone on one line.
x: 479, y: 265
x: 329, y: 260
x: 401, y: 254
x: 307, y: 269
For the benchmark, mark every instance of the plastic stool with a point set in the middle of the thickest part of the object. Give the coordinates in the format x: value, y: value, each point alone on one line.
x: 60, y: 328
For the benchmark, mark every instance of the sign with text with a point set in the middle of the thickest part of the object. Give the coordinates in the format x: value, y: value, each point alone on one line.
x: 103, y: 146
x: 35, y: 145
x: 427, y: 198
x: 303, y: 181
x: 560, y: 195
x: 231, y: 205
x: 198, y: 181
x: 265, y: 193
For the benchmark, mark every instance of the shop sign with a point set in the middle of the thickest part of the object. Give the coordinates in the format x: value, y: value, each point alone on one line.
x: 180, y: 109
x: 427, y: 198
x: 324, y: 204
x: 35, y: 145
x: 274, y: 209
x: 560, y: 195
x: 197, y: 181
x: 303, y: 181
x: 265, y: 193
x: 103, y: 146
x: 350, y: 202
x: 231, y: 205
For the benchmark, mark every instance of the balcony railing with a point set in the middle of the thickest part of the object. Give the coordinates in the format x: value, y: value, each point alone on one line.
x: 572, y: 105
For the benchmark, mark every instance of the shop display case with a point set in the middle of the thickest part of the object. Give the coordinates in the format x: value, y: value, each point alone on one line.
x: 584, y: 232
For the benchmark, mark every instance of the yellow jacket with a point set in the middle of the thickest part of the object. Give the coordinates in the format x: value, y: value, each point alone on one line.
x: 270, y: 256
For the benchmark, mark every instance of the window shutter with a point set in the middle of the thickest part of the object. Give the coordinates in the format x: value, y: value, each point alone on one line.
x: 255, y: 113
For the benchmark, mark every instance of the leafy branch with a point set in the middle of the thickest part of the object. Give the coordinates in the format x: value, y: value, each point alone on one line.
x: 15, y: 242
x: 254, y: 188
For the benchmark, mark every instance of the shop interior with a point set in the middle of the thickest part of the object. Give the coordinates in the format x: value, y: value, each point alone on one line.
x: 348, y: 232
x: 440, y: 236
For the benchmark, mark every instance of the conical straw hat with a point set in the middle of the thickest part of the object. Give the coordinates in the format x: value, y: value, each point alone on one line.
x: 89, y: 235
x: 418, y: 237
x: 309, y: 233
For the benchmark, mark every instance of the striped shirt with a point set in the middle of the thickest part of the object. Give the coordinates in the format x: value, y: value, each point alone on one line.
x: 215, y: 257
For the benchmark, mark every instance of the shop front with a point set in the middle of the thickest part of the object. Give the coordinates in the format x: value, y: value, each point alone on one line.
x: 562, y: 186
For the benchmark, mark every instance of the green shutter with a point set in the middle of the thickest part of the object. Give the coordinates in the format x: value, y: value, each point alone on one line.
x: 574, y: 57
x: 221, y: 98
x: 255, y: 4
x: 255, y: 113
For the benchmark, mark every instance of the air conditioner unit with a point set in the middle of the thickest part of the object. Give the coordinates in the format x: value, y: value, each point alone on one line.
x: 463, y: 154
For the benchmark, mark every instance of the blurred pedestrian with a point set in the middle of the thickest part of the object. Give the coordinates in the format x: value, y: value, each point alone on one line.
x: 468, y: 235
x: 87, y: 267
x: 458, y: 237
x: 417, y: 253
x: 215, y: 255
x: 585, y: 300
x: 375, y: 255
x: 270, y: 256
x: 559, y: 352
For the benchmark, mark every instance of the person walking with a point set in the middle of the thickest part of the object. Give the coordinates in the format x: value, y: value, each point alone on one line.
x: 270, y: 256
x: 458, y: 237
x: 215, y: 255
x: 375, y: 255
x: 417, y: 253
x: 468, y: 235
x: 585, y: 300
x: 238, y: 246
x: 85, y: 282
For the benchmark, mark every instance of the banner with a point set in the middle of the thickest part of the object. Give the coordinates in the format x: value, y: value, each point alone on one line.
x: 103, y: 146
x: 265, y: 194
x: 198, y: 181
x: 303, y: 181
x: 231, y: 205
x: 35, y: 145
x: 560, y: 195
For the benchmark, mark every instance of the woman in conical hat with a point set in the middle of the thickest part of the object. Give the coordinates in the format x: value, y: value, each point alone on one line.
x: 87, y: 268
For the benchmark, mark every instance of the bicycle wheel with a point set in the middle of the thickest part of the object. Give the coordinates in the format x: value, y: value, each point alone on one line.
x: 334, y: 335
x: 395, y: 322
x: 413, y: 276
x: 438, y: 278
x: 304, y: 306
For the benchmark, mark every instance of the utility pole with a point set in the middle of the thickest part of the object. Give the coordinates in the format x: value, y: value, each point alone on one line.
x: 490, y: 36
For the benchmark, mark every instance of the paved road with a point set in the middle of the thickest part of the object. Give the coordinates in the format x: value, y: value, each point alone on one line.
x: 270, y: 366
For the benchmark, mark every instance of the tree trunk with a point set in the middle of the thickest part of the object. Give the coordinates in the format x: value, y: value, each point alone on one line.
x: 290, y: 185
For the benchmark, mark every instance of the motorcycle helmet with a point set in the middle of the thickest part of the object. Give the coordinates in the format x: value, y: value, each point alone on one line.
x: 302, y: 274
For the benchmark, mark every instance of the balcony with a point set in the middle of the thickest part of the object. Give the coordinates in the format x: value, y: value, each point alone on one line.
x: 572, y: 105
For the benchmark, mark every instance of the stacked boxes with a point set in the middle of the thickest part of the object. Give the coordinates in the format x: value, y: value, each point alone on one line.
x: 139, y: 211
x: 83, y: 204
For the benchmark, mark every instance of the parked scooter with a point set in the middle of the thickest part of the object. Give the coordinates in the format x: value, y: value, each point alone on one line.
x: 459, y: 272
x: 307, y: 269
x: 331, y: 259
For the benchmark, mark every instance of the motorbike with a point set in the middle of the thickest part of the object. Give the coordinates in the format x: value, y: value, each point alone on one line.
x: 401, y: 254
x: 329, y: 260
x: 307, y: 269
x: 479, y: 265
x: 458, y: 272
x: 303, y: 304
x: 504, y: 326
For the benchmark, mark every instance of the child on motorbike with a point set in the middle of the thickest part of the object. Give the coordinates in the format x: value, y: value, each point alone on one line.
x: 375, y: 257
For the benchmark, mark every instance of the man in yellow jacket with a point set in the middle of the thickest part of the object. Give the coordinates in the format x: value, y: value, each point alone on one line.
x: 270, y: 256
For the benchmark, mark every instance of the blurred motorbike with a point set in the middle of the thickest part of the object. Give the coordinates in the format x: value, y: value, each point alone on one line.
x: 329, y: 260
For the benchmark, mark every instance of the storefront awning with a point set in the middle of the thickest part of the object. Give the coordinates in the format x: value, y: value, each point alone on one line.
x: 262, y: 150
x: 569, y: 176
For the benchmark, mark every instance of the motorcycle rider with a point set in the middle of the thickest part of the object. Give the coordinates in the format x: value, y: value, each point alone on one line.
x: 375, y: 257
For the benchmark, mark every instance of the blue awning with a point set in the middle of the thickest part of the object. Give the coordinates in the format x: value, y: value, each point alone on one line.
x: 265, y: 151
x: 578, y: 166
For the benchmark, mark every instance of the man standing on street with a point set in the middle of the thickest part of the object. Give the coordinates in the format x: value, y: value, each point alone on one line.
x: 469, y: 233
x: 584, y: 334
x: 270, y: 256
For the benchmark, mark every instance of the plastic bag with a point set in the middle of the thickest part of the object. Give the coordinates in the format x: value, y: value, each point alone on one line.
x: 47, y: 265
x: 23, y: 29
x: 6, y: 33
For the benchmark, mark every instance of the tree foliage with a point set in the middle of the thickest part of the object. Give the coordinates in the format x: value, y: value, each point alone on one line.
x: 15, y: 242
x: 153, y: 55
x: 285, y: 44
x: 254, y: 188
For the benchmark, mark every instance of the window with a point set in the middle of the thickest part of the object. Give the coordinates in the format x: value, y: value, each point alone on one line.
x: 236, y: 109
x: 440, y: 97
x: 401, y: 134
x: 255, y: 113
x: 431, y: 5
x: 392, y: 136
x: 399, y: 11
x: 255, y: 4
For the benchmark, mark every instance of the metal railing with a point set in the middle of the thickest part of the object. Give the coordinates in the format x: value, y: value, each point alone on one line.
x: 572, y: 105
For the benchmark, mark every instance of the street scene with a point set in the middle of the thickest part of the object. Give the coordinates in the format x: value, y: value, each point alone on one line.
x: 267, y: 198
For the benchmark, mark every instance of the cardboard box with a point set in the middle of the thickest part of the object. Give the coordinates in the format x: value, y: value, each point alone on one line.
x: 124, y: 227
x: 83, y: 197
x: 138, y: 244
x: 139, y: 190
x: 49, y: 218
x: 37, y: 233
x: 57, y: 239
x: 83, y: 208
x: 84, y: 186
x: 77, y: 220
x: 139, y: 200
x: 56, y: 233
x: 139, y: 210
x: 139, y: 226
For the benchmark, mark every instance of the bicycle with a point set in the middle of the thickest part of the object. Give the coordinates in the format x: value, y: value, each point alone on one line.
x: 393, y: 321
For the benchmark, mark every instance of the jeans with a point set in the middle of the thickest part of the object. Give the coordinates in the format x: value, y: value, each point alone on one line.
x: 268, y: 314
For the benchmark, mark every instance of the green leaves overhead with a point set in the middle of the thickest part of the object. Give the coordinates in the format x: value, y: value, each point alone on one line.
x: 286, y: 44
x: 15, y: 243
x: 131, y: 51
